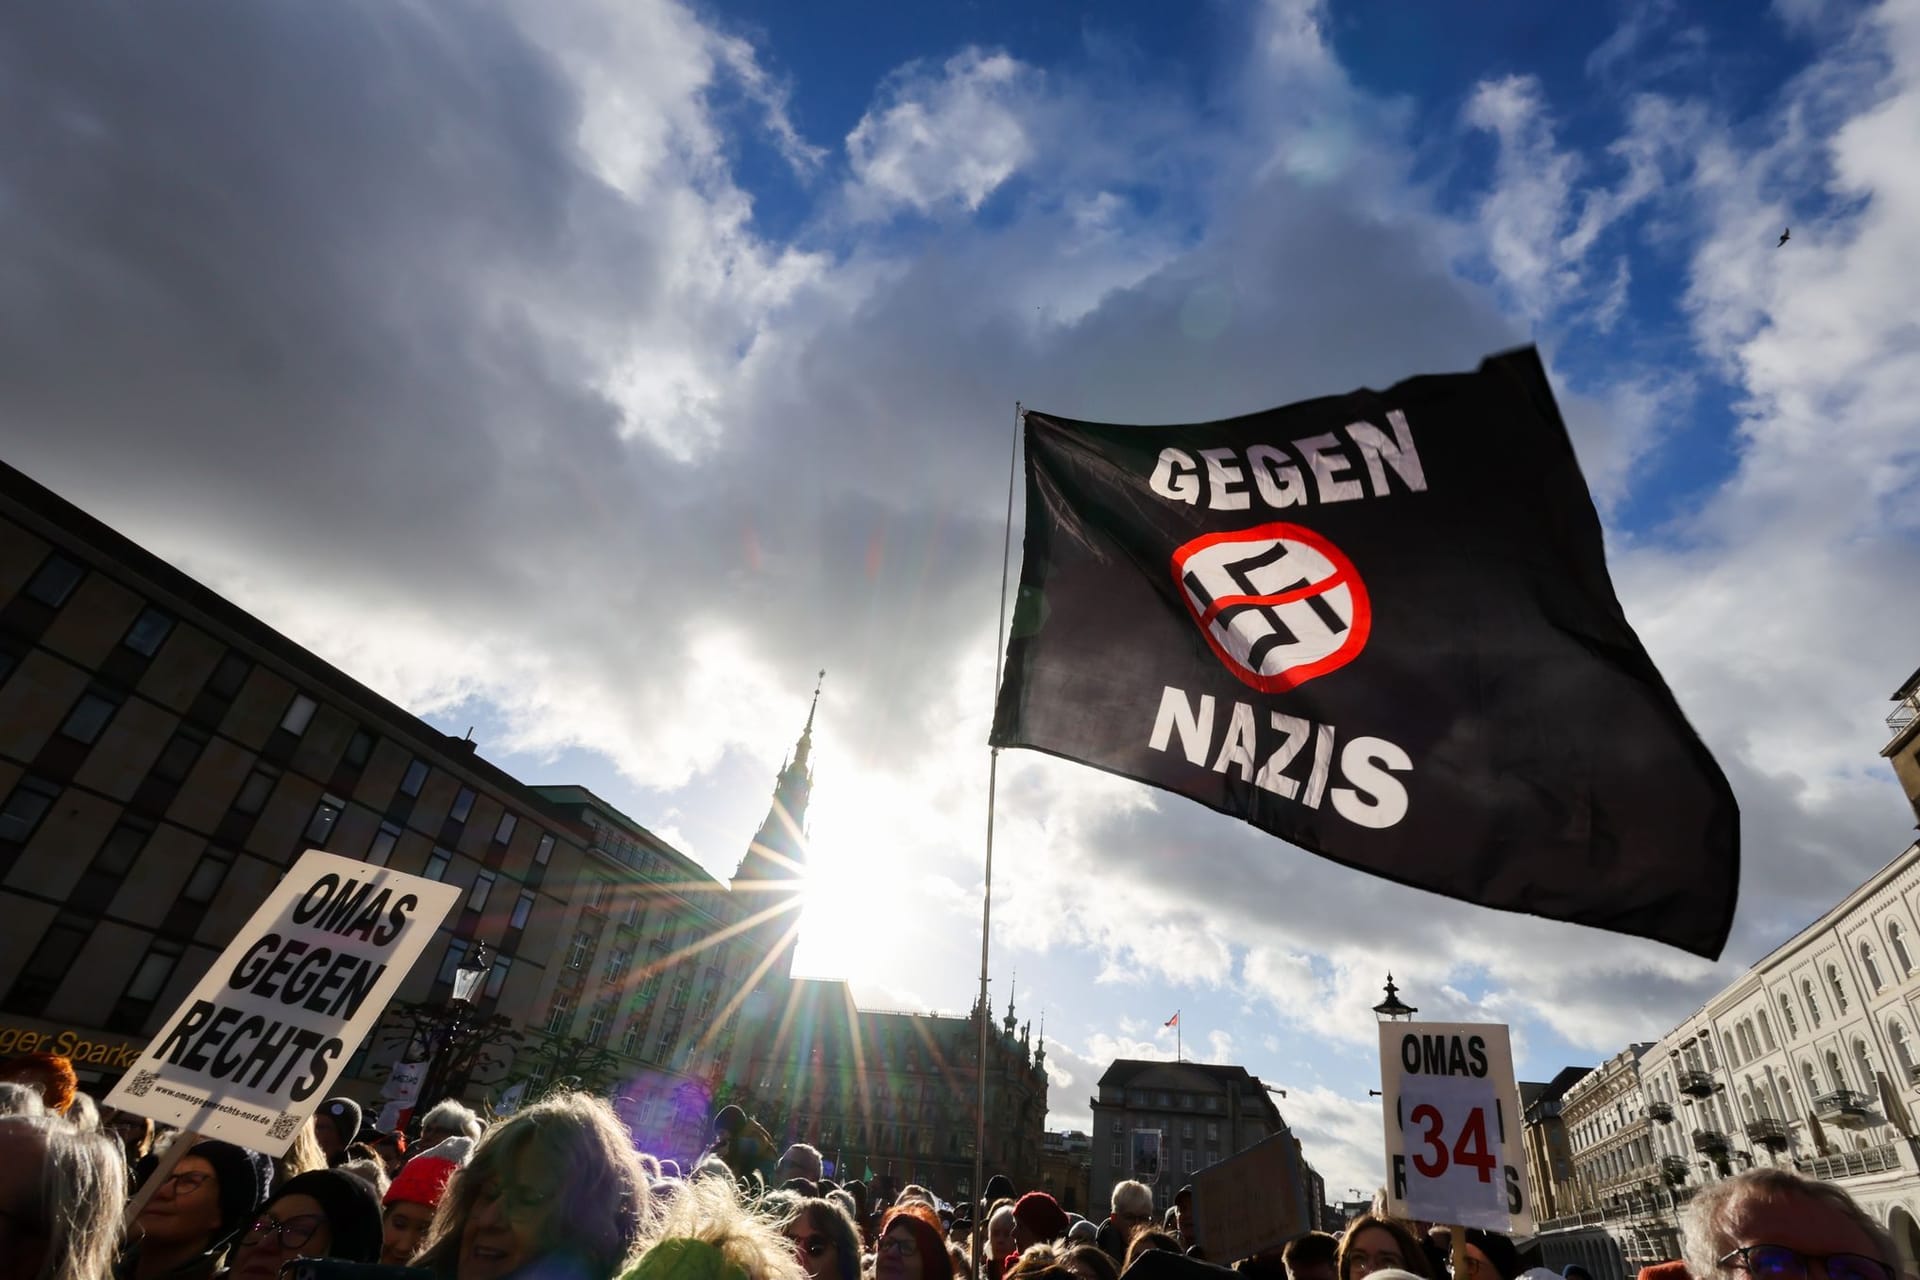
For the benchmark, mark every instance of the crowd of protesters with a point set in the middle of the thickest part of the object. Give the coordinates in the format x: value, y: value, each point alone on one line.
x: 560, y: 1191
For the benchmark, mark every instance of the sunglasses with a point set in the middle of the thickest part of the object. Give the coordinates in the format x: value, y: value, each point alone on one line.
x: 812, y: 1245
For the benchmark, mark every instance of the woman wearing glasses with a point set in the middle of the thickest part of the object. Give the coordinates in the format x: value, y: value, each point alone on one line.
x: 558, y: 1185
x: 321, y: 1214
x: 825, y: 1241
x: 912, y: 1246
x: 1773, y: 1224
x: 183, y: 1233
x: 1375, y: 1243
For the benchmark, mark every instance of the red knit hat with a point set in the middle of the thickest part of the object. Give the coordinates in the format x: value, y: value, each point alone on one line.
x: 1041, y: 1215
x: 422, y: 1180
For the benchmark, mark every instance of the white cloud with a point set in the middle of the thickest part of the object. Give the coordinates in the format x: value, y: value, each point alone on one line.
x: 941, y: 138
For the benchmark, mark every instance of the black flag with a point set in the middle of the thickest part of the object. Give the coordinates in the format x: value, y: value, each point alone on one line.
x: 1379, y: 626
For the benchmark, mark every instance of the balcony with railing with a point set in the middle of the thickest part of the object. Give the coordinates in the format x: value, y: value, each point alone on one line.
x: 1769, y: 1133
x: 1697, y: 1083
x: 1675, y: 1169
x: 1845, y: 1108
x: 1851, y: 1163
x: 1904, y: 713
x: 1711, y: 1142
x: 1661, y: 1111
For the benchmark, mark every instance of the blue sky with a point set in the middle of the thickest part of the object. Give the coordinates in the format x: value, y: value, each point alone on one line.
x: 592, y: 373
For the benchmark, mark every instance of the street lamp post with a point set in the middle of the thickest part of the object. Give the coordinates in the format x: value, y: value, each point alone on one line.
x: 1393, y: 1009
x: 455, y: 1024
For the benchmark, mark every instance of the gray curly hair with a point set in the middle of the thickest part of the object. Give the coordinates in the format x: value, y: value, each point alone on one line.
x: 1706, y: 1226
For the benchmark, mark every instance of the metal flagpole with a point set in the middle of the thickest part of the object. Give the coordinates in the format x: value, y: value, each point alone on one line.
x: 986, y: 895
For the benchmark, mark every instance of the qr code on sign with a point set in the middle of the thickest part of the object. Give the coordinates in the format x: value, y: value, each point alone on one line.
x: 142, y: 1083
x: 283, y: 1127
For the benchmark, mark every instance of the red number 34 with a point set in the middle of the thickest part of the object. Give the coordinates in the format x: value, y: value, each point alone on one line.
x: 1469, y: 1149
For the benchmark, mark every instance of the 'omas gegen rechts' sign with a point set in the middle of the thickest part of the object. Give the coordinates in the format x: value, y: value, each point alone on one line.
x: 259, y: 1042
x: 1453, y: 1126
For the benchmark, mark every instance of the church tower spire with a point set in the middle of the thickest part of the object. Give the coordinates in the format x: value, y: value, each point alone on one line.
x: 769, y: 878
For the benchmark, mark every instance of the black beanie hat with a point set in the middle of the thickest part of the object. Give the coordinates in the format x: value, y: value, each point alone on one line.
x: 345, y: 1114
x: 353, y: 1213
x: 1499, y: 1249
x: 245, y: 1179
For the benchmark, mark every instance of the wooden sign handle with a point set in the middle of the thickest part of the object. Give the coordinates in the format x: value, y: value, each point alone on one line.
x: 1458, y: 1234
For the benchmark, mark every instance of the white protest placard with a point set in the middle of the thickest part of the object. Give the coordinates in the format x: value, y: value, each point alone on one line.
x: 258, y: 1043
x: 1453, y: 1126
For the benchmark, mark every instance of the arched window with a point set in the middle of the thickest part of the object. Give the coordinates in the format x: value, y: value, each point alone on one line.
x: 1749, y: 1045
x: 1786, y: 1094
x: 1872, y: 967
x: 1813, y: 1001
x: 1837, y: 1076
x: 1746, y: 1105
x: 1732, y: 1050
x: 1813, y: 1081
x: 1868, y: 1079
x: 1766, y: 1030
x: 1897, y: 939
x: 1706, y: 1044
x: 1902, y: 1049
x: 1839, y: 992
x: 1786, y: 1013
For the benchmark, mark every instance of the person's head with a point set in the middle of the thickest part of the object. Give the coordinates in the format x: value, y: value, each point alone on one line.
x: 825, y: 1241
x: 212, y: 1193
x: 1373, y: 1242
x: 133, y: 1132
x: 61, y: 1193
x: 392, y: 1150
x: 1090, y: 1262
x: 50, y: 1073
x: 704, y: 1232
x: 1042, y: 1261
x: 1083, y: 1231
x: 1311, y: 1256
x: 558, y: 1180
x: 800, y: 1161
x: 1132, y: 1204
x: 1771, y: 1223
x: 323, y: 1213
x: 409, y: 1205
x: 367, y: 1168
x: 1147, y: 1241
x: 911, y: 1246
x: 334, y: 1126
x: 1001, y: 1232
x: 1574, y: 1271
x: 1490, y: 1256
x: 1037, y: 1219
x: 448, y: 1119
x: 999, y: 1187
x: 84, y: 1114
x: 303, y: 1156
x: 17, y: 1099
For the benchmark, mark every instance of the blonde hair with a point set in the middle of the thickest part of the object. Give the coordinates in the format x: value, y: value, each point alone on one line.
x: 710, y: 1211
x: 1706, y: 1224
x: 599, y: 1198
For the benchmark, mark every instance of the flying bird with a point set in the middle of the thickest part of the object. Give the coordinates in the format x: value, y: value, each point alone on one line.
x: 1785, y: 235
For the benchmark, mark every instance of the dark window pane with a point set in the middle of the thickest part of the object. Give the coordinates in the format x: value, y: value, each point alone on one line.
x: 299, y: 714
x: 148, y: 632
x: 206, y: 880
x: 153, y: 972
x: 121, y: 847
x: 55, y: 580
x: 359, y: 747
x: 254, y: 792
x: 462, y: 805
x: 178, y: 757
x: 456, y: 952
x: 543, y: 850
x: 88, y: 717
x: 25, y: 807
x: 230, y: 674
x: 497, y: 977
x: 325, y: 815
x: 522, y: 908
x: 437, y: 864
x: 383, y: 841
x: 415, y: 779
x: 504, y: 832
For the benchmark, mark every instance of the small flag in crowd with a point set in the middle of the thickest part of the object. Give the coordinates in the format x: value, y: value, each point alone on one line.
x: 1379, y: 626
x: 1174, y: 1021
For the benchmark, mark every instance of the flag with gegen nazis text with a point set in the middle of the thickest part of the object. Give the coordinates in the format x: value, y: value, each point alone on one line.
x: 1379, y: 626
